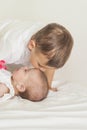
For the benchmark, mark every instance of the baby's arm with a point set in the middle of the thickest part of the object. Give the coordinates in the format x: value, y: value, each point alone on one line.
x: 3, y: 89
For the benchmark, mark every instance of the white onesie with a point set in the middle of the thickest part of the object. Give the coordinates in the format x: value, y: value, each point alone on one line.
x: 5, y: 77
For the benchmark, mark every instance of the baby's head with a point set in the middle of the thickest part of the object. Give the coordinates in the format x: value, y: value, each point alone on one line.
x: 30, y: 84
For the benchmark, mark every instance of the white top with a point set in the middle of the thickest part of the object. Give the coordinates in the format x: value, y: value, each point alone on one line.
x: 14, y: 37
x: 5, y: 77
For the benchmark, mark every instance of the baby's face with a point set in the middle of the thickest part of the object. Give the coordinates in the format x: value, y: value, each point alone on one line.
x: 21, y: 74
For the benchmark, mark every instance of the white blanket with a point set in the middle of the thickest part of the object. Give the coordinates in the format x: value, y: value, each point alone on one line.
x: 62, y: 110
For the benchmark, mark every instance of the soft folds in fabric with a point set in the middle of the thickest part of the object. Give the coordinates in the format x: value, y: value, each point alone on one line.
x: 14, y: 36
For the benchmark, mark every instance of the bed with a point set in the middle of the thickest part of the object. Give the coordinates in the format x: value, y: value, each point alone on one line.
x: 62, y: 110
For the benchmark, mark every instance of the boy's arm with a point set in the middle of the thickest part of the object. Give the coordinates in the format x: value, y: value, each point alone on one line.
x: 50, y: 73
x: 3, y: 89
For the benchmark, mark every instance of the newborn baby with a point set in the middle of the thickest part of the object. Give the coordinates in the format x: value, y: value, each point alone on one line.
x: 28, y: 83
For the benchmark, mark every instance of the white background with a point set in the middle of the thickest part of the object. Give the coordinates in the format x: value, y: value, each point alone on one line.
x: 70, y: 13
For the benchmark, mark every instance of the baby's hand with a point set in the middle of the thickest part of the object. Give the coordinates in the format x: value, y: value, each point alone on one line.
x: 3, y: 89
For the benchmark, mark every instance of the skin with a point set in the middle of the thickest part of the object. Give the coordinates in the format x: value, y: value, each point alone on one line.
x: 3, y: 89
x: 39, y: 61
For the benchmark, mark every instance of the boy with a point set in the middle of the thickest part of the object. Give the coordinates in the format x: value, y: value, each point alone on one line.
x: 50, y: 48
x: 47, y: 49
x: 28, y: 83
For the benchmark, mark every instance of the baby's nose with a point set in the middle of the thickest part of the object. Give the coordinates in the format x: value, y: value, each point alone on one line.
x: 25, y: 67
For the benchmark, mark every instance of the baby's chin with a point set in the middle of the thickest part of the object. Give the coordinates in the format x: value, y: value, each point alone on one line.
x: 14, y: 73
x: 12, y: 78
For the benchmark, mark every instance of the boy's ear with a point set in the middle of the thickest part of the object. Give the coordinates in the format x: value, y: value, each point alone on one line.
x: 20, y: 87
x: 31, y: 45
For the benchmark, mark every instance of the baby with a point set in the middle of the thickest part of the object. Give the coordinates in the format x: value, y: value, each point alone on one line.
x: 28, y: 83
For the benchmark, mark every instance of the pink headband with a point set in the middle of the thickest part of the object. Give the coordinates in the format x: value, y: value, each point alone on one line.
x: 2, y: 64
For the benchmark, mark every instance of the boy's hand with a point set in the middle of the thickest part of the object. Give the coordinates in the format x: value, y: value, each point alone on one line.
x: 49, y: 73
x: 53, y: 89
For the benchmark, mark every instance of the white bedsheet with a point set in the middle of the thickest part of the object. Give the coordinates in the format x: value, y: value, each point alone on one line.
x: 62, y: 110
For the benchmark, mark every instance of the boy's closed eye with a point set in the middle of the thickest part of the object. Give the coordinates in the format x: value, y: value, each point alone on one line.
x: 41, y: 65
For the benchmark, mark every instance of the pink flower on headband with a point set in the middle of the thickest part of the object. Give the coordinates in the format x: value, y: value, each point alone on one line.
x: 2, y: 64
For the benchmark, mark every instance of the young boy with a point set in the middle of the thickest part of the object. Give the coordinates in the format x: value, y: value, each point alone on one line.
x: 28, y: 83
x: 47, y: 49
x: 50, y: 48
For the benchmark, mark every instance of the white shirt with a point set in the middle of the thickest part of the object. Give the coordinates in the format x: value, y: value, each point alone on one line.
x: 5, y: 77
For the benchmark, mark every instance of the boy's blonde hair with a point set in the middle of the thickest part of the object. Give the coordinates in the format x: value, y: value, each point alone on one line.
x: 56, y: 42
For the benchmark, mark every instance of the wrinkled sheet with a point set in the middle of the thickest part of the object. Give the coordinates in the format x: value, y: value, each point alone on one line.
x: 62, y: 110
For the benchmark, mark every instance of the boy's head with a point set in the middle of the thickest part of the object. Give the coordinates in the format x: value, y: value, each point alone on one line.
x: 50, y: 46
x: 30, y: 84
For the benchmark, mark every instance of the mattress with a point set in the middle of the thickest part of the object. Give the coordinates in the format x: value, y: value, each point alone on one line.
x: 65, y: 109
